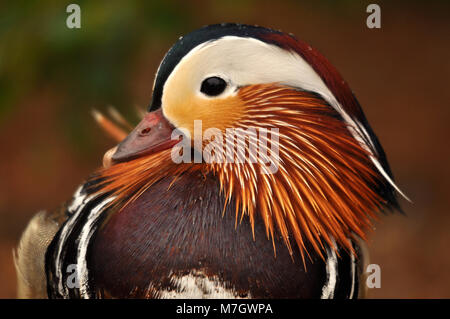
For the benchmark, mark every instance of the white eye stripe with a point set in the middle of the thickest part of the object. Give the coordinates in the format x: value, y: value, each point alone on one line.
x: 246, y: 61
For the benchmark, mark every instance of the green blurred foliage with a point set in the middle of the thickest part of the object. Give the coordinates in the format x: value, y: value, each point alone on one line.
x: 87, y: 67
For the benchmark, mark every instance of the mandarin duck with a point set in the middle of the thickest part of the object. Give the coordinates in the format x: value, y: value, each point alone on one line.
x: 166, y: 218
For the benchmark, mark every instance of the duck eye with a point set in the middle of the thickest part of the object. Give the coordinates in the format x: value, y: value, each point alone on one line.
x: 213, y: 86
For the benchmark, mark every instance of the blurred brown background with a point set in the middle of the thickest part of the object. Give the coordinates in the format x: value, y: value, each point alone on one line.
x: 51, y: 77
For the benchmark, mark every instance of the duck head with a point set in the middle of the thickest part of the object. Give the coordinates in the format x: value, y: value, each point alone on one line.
x: 311, y: 166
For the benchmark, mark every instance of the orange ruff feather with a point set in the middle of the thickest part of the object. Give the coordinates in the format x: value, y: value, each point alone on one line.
x: 323, y: 191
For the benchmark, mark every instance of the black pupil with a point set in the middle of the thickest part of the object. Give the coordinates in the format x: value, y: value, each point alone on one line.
x: 213, y: 86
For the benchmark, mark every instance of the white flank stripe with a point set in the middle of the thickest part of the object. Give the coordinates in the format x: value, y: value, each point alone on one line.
x: 85, y: 237
x: 353, y: 274
x: 331, y: 268
x: 75, y: 208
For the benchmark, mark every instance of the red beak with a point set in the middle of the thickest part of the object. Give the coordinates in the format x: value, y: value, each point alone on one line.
x: 151, y: 135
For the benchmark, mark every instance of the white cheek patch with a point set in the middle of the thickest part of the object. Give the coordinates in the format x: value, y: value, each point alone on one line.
x: 246, y: 61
